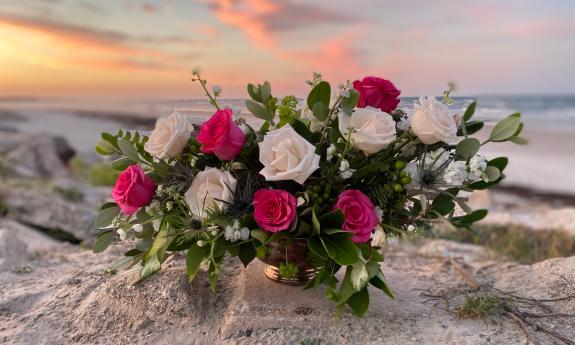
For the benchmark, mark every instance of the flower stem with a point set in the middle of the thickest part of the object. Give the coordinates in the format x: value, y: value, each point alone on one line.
x: 203, y: 83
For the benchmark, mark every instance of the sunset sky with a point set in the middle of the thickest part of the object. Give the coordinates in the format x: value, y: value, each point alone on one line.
x: 129, y: 48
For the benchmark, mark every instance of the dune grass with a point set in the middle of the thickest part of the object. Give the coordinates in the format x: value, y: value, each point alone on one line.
x: 516, y: 242
x: 481, y: 306
x: 99, y: 174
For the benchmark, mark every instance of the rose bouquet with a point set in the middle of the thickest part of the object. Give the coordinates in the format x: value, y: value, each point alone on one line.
x: 315, y: 189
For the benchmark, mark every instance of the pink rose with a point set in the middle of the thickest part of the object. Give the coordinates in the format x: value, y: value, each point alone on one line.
x: 274, y: 209
x: 378, y: 93
x: 221, y: 136
x: 360, y: 216
x: 133, y: 190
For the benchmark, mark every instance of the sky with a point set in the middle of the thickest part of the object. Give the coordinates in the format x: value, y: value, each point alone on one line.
x: 129, y: 48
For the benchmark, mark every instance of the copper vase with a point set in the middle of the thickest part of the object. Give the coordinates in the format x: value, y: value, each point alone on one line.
x: 289, y: 261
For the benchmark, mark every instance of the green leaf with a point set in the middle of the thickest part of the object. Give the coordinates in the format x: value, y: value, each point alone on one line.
x: 359, y: 302
x: 320, y: 93
x: 106, y: 216
x: 110, y: 138
x: 467, y: 148
x: 154, y: 257
x: 150, y: 266
x: 121, y: 164
x: 266, y: 91
x: 499, y: 162
x: 315, y: 223
x: 359, y: 276
x: 469, y: 111
x: 492, y: 173
x: 105, y: 148
x: 126, y: 262
x: 260, y: 235
x: 345, y: 289
x: 506, y: 128
x: 379, y: 282
x: 254, y: 93
x: 333, y: 219
x: 346, y: 252
x: 347, y: 104
x: 194, y: 259
x: 103, y: 240
x: 316, y: 246
x: 331, y: 231
x: 258, y: 110
x: 304, y: 229
x: 247, y: 253
x: 128, y: 149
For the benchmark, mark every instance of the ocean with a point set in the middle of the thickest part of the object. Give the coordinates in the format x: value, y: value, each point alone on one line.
x: 81, y: 120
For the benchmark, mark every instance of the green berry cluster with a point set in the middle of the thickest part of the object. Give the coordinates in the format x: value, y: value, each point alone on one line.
x: 319, y: 193
x: 401, y: 178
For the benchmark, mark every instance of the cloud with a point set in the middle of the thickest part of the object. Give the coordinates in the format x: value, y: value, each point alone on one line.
x: 149, y: 8
x: 89, y: 35
x: 265, y: 21
x: 260, y: 20
x: 88, y: 47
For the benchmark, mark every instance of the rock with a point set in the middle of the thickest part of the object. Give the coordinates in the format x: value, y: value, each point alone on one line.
x: 35, y: 155
x: 452, y: 249
x: 36, y: 242
x: 13, y: 250
x: 68, y: 300
x: 36, y: 205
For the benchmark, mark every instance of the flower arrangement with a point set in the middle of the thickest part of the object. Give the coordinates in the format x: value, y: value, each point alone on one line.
x: 314, y: 190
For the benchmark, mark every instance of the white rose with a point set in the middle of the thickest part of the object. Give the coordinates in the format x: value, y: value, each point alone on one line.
x: 170, y: 136
x: 431, y: 122
x: 208, y: 191
x: 372, y: 129
x: 286, y: 155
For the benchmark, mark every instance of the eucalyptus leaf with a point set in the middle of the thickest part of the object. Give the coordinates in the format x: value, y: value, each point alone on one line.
x: 505, y: 128
x: 106, y: 216
x: 347, y: 104
x: 469, y: 111
x: 519, y: 140
x: 258, y: 110
x: 320, y: 111
x: 320, y: 93
x: 254, y: 93
x: 266, y: 91
x: 471, y: 127
x: 492, y: 173
x: 467, y: 148
x: 499, y: 162
x: 103, y: 241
